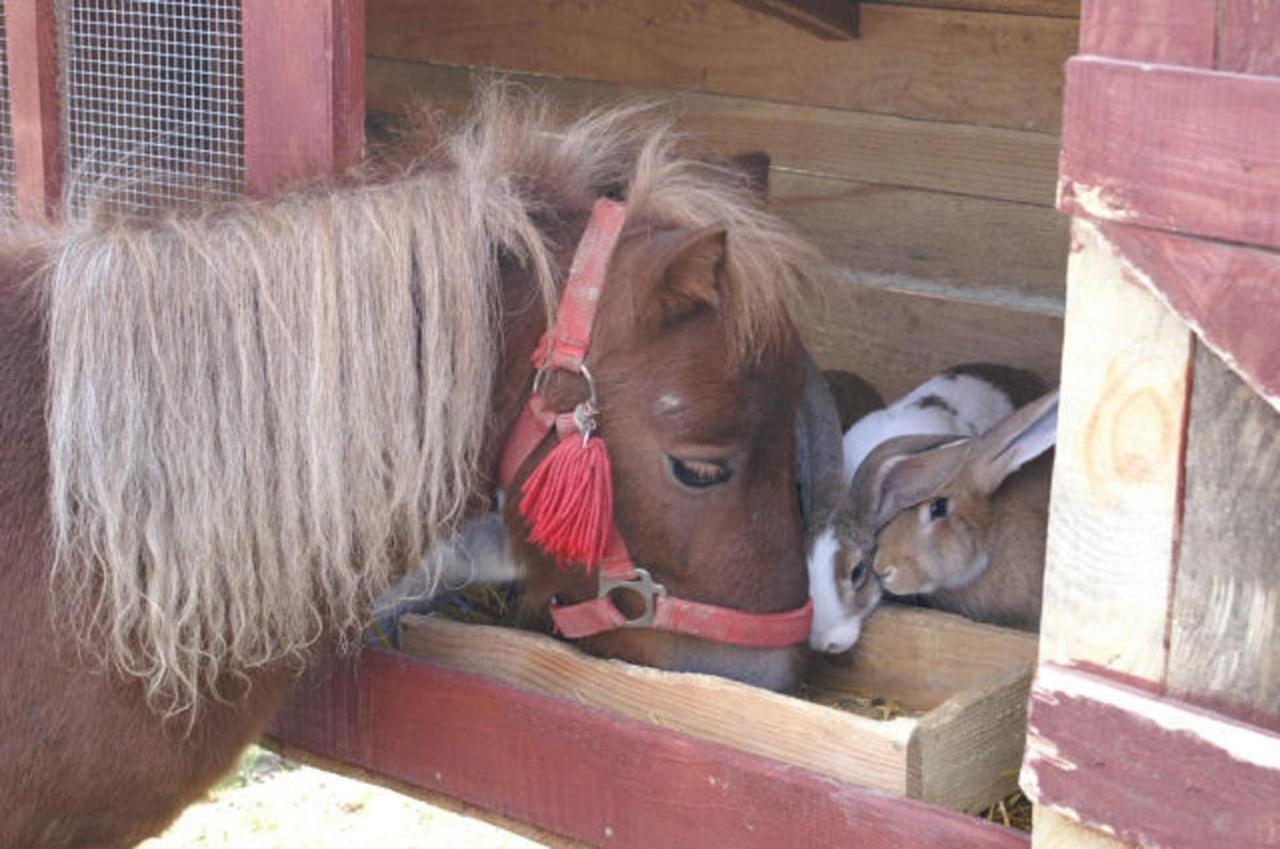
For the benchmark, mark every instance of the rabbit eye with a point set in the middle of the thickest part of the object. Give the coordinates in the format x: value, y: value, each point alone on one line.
x: 858, y: 575
x: 699, y: 474
x: 938, y: 508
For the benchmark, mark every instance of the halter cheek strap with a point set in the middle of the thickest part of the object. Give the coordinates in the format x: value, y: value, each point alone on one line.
x: 565, y: 347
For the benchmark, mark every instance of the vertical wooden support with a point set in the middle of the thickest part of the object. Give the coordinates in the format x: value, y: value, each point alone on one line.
x: 1175, y: 32
x: 33, y: 105
x: 1116, y: 484
x: 1249, y: 37
x: 303, y: 89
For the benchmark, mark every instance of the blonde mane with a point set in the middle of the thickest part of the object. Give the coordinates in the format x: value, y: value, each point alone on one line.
x: 260, y: 412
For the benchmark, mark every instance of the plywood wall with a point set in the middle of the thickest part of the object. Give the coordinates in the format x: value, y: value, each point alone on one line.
x: 921, y: 156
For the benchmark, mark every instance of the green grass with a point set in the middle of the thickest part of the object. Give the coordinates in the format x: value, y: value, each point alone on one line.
x: 270, y: 803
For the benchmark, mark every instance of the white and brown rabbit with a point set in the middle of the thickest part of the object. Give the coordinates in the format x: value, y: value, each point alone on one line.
x: 968, y: 535
x: 961, y: 401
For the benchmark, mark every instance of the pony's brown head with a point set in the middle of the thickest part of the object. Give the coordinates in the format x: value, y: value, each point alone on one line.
x: 697, y: 414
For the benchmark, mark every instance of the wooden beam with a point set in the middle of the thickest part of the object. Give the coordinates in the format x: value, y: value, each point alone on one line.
x: 303, y: 89
x: 835, y: 20
x: 1224, y: 650
x: 1174, y: 32
x: 1229, y: 295
x: 1147, y: 768
x: 1137, y: 148
x: 605, y: 780
x: 35, y: 119
x: 1117, y: 468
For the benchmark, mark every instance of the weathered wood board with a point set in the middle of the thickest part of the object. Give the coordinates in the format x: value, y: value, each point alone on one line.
x: 1175, y: 32
x: 1185, y: 150
x: 958, y: 754
x: 34, y: 118
x: 995, y: 69
x: 1224, y: 647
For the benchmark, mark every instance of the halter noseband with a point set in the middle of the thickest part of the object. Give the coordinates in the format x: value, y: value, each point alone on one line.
x: 565, y: 347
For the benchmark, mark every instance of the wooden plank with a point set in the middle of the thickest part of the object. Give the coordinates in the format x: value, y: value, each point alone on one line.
x: 303, y: 89
x: 1116, y: 483
x: 413, y: 791
x: 898, y: 339
x: 31, y: 45
x: 869, y: 752
x: 966, y: 752
x: 1249, y: 37
x: 830, y: 19
x: 1225, y: 622
x: 1051, y: 8
x: 956, y: 158
x: 1175, y: 32
x: 1002, y: 70
x: 1196, y: 152
x: 1147, y: 768
x: 603, y: 779
x: 924, y: 657
x: 1008, y: 251
x: 1228, y: 295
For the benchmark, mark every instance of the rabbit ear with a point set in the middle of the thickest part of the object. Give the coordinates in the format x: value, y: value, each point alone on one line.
x: 906, y: 470
x: 1020, y: 437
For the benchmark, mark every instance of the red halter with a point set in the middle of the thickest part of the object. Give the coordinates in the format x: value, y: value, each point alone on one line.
x: 565, y: 347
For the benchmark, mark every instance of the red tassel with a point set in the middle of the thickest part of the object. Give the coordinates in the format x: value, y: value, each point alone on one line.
x: 568, y: 501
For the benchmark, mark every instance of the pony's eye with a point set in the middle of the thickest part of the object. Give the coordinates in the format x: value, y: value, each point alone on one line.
x: 938, y: 508
x: 699, y: 474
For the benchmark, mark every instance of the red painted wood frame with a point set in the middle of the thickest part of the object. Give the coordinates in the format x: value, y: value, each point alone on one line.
x: 303, y: 94
x: 303, y: 89
x: 1187, y: 145
x: 1152, y: 769
x: 31, y: 47
x: 591, y: 775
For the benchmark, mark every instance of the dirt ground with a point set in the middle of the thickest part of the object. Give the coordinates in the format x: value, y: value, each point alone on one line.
x: 271, y: 803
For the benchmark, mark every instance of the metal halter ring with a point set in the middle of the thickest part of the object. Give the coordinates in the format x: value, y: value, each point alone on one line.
x: 642, y: 584
x: 542, y: 373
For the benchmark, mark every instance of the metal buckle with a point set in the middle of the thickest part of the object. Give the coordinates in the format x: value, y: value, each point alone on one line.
x: 643, y: 584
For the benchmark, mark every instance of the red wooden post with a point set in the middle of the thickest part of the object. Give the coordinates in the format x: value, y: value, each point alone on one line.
x: 33, y: 106
x: 303, y: 89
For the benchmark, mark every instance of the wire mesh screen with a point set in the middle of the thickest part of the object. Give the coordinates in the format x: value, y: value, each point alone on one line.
x: 6, y: 128
x: 153, y: 110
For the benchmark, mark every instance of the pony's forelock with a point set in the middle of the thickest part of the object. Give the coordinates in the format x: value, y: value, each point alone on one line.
x: 259, y: 412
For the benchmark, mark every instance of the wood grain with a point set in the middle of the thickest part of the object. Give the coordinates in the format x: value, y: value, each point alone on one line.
x: 34, y: 108
x: 602, y: 779
x: 1009, y: 251
x: 960, y: 159
x: 303, y: 89
x: 1148, y: 768
x: 1225, y: 621
x: 1196, y: 152
x: 1249, y: 37
x: 1002, y: 70
x: 1174, y: 32
x: 829, y: 19
x: 898, y: 339
x: 869, y: 752
x: 1116, y: 483
x: 924, y: 657
x: 1052, y: 8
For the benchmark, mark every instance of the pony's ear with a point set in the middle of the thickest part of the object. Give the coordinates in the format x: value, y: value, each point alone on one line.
x: 682, y: 270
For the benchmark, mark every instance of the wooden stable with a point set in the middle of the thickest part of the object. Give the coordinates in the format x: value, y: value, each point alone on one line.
x: 917, y: 141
